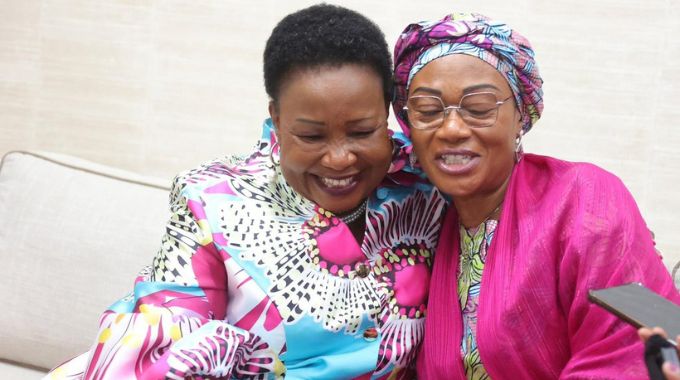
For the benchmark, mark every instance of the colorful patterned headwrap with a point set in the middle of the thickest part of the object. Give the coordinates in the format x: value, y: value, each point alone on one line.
x: 477, y: 35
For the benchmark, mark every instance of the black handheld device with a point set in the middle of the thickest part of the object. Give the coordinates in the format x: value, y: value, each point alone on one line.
x: 640, y: 307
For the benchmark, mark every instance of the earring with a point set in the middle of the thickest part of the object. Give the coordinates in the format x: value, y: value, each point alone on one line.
x: 413, y: 159
x: 271, y: 154
x: 519, y: 151
x: 395, y: 148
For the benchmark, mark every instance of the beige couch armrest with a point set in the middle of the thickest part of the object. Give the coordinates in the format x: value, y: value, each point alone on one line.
x: 73, y: 235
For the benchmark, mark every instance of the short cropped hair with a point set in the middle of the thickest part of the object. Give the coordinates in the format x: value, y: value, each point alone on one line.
x: 325, y: 35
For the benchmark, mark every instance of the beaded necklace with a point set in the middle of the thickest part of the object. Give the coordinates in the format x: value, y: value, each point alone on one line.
x: 354, y: 215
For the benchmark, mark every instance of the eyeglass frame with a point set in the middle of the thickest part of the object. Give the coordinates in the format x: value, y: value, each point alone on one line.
x: 447, y: 109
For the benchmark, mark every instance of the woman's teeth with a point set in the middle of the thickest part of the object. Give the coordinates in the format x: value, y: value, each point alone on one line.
x: 456, y: 159
x: 332, y: 182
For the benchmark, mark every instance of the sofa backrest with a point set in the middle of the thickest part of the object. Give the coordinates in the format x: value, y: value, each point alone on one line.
x: 73, y: 236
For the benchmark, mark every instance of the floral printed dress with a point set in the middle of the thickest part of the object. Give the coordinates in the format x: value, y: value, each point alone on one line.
x: 254, y: 281
x: 474, y: 244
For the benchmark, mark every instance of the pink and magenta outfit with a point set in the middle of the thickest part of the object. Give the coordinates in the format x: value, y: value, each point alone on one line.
x: 564, y: 228
x: 512, y: 302
x: 254, y: 281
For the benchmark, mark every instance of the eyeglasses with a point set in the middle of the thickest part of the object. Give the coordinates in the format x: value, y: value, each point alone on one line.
x: 478, y: 110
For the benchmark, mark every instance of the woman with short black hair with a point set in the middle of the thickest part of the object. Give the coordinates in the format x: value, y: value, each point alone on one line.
x: 307, y: 259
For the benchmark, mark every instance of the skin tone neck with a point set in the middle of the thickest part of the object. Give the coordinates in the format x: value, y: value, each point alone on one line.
x: 472, y: 211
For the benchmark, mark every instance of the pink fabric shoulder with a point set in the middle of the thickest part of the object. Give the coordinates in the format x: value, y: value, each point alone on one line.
x: 565, y: 228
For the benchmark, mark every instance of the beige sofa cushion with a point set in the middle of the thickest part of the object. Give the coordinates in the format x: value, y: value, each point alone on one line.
x: 73, y: 235
x: 10, y: 371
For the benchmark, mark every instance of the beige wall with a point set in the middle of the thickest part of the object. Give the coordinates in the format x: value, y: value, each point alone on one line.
x: 158, y: 86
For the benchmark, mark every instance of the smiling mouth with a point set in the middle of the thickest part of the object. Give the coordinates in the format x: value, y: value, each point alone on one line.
x: 456, y: 159
x: 338, y: 183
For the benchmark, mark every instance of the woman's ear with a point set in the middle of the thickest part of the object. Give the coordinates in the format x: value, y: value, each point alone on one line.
x: 274, y: 113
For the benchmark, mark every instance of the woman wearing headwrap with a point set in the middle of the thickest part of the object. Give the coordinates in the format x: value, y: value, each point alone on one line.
x: 309, y: 258
x: 528, y: 235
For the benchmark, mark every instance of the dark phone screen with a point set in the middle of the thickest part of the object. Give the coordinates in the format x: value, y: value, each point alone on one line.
x: 640, y: 307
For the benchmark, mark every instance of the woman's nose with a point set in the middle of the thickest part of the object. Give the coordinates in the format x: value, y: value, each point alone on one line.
x: 338, y: 156
x: 453, y: 126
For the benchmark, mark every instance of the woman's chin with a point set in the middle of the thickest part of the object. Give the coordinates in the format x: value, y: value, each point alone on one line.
x: 340, y: 205
x: 457, y: 188
x: 339, y: 208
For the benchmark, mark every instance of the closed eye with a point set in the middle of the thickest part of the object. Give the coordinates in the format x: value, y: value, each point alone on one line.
x: 362, y: 134
x: 479, y: 113
x: 430, y: 112
x: 310, y: 138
